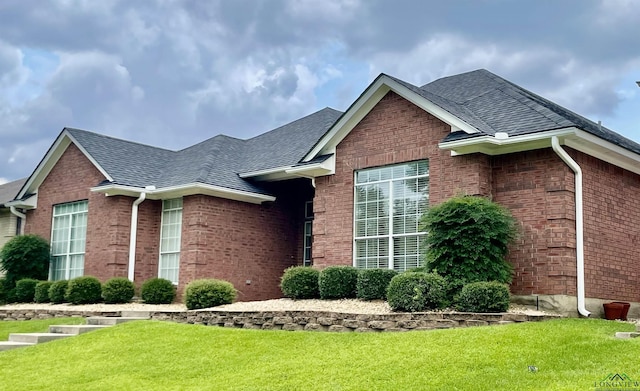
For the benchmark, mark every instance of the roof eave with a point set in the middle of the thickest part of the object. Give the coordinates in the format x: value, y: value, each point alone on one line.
x: 572, y: 137
x: 184, y: 190
x: 367, y: 101
x: 313, y: 170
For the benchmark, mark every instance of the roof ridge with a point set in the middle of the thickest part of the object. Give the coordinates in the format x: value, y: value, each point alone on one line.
x: 116, y: 139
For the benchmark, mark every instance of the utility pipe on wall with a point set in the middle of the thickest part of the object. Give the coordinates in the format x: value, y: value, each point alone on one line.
x: 133, y: 235
x: 555, y: 144
x: 21, y: 216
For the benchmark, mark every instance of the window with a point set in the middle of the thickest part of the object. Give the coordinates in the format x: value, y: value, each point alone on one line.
x: 388, y: 204
x: 170, y: 234
x: 68, y: 239
x: 308, y: 234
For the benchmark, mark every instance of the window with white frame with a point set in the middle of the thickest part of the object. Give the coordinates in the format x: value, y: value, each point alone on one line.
x: 388, y: 204
x: 308, y: 234
x: 68, y: 240
x: 170, y: 234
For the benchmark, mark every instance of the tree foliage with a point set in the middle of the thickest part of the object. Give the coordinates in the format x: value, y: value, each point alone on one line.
x: 25, y: 256
x: 468, y: 239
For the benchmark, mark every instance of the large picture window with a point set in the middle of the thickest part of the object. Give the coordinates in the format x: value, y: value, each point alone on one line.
x: 388, y: 204
x: 68, y: 240
x: 170, y: 234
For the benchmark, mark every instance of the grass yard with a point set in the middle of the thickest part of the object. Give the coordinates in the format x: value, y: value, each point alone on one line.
x: 570, y: 354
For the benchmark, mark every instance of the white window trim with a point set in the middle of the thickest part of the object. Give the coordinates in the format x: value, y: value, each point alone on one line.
x: 160, y: 252
x: 390, y: 236
x: 308, y: 222
x: 67, y: 254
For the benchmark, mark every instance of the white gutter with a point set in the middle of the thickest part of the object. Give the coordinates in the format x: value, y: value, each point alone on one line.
x: 555, y: 144
x: 133, y: 235
x: 20, y: 215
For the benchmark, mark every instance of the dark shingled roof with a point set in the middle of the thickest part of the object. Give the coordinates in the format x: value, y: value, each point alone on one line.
x: 485, y: 101
x: 10, y: 190
x: 501, y: 106
x: 216, y: 161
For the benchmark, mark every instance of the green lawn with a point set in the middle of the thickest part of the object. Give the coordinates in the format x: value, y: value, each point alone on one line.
x: 570, y: 354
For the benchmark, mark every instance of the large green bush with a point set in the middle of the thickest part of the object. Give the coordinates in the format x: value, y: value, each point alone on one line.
x: 42, y: 292
x: 300, y: 282
x: 57, y: 291
x: 484, y: 296
x: 468, y: 239
x: 372, y: 284
x: 158, y: 291
x: 25, y: 256
x: 208, y: 293
x: 25, y: 290
x: 415, y: 291
x: 338, y: 282
x: 118, y: 290
x: 84, y: 290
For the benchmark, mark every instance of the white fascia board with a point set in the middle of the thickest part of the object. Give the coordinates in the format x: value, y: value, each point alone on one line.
x: 327, y: 167
x: 268, y: 174
x: 50, y: 159
x: 29, y: 203
x: 604, y: 150
x: 367, y: 101
x: 491, y: 145
x: 184, y: 190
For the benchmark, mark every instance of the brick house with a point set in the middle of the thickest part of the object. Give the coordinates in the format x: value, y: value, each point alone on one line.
x: 348, y: 188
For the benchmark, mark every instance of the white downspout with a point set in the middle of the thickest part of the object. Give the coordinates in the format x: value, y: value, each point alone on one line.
x: 133, y: 236
x: 21, y: 216
x: 555, y: 144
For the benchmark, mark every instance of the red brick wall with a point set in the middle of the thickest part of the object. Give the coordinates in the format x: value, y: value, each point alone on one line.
x: 612, y: 230
x: 148, y: 240
x: 108, y: 218
x: 237, y: 241
x: 395, y: 131
x: 538, y: 188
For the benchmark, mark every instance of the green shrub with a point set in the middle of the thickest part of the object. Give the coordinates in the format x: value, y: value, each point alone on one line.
x: 25, y: 256
x: 4, y: 288
x: 372, y: 284
x: 338, y: 282
x: 25, y: 290
x: 158, y: 291
x: 468, y: 239
x: 42, y: 292
x: 414, y: 291
x: 300, y: 282
x: 208, y: 293
x: 84, y: 290
x: 484, y: 296
x: 118, y: 290
x: 57, y: 291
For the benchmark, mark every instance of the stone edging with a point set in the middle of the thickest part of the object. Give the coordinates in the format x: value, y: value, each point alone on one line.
x: 304, y: 320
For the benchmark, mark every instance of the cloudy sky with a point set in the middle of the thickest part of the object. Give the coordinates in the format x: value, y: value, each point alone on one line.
x: 171, y: 73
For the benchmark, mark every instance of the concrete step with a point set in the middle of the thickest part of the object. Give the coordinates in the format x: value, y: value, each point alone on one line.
x: 627, y: 335
x: 75, y: 329
x: 36, y: 337
x: 135, y: 314
x: 8, y: 345
x: 111, y: 321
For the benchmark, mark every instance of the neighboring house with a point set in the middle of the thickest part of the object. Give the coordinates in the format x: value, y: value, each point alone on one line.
x: 348, y: 189
x: 10, y: 223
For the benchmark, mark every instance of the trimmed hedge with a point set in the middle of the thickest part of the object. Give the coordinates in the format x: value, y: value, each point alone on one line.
x: 158, y: 291
x: 4, y: 288
x: 57, y: 291
x: 300, y: 282
x: 84, y: 290
x: 483, y: 296
x: 42, y: 292
x: 25, y: 290
x: 338, y: 282
x: 372, y: 284
x: 415, y: 291
x: 208, y: 293
x: 25, y: 256
x: 118, y: 290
